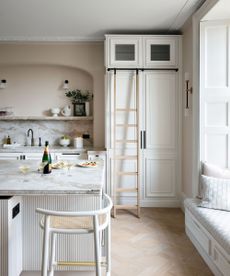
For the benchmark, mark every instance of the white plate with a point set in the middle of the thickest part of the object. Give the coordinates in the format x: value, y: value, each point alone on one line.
x: 87, y: 164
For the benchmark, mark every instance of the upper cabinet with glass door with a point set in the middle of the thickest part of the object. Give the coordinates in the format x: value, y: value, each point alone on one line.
x: 160, y: 51
x: 123, y: 51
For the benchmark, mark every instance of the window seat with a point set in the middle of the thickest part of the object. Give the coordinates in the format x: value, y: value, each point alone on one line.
x: 209, y: 230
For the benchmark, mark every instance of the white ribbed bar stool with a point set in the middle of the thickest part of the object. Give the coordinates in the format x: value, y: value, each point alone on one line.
x: 84, y: 222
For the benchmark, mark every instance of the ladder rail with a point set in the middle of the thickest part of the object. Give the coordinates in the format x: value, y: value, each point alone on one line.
x: 136, y: 157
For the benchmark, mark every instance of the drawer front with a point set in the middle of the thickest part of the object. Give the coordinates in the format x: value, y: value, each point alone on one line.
x: 221, y: 261
x: 198, y: 233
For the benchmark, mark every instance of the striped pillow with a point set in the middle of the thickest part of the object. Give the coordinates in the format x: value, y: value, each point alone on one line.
x: 215, y: 193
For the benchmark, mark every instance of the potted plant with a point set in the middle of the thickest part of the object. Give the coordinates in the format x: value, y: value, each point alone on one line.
x: 80, y: 100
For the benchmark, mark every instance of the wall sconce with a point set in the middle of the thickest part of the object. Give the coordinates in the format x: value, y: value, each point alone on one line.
x: 187, y: 91
x: 66, y: 85
x: 3, y: 84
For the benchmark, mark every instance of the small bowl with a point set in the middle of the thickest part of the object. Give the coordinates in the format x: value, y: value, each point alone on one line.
x: 64, y: 142
x: 55, y: 111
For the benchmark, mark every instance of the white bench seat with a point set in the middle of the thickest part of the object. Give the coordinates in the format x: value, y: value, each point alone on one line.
x: 216, y: 222
x: 209, y: 231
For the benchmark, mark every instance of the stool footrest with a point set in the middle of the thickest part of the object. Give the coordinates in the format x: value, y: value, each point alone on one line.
x: 73, y: 263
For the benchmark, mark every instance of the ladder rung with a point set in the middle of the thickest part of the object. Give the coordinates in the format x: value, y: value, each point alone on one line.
x: 126, y: 141
x: 126, y: 206
x: 126, y: 109
x: 126, y: 125
x: 128, y: 157
x: 120, y: 190
x: 127, y: 173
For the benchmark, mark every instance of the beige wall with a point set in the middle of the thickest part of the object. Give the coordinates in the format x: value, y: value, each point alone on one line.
x: 187, y: 133
x: 35, y: 74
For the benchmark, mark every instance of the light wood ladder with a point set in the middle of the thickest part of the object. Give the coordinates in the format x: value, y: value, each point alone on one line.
x: 116, y: 173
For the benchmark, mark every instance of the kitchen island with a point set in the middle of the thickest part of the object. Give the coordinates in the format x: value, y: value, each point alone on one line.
x: 23, y: 189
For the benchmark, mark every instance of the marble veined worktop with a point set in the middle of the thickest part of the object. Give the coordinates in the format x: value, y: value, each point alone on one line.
x: 53, y: 149
x: 60, y: 181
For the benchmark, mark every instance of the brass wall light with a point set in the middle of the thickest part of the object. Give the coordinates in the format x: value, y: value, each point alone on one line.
x: 188, y: 90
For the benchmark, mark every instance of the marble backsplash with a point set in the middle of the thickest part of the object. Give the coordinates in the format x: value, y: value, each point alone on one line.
x: 48, y: 131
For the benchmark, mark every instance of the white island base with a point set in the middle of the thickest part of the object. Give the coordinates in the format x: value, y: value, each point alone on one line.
x: 21, y: 236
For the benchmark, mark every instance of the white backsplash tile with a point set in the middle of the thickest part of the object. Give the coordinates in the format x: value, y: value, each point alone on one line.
x: 48, y: 131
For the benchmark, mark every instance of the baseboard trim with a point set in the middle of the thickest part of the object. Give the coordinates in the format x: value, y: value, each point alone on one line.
x: 183, y: 197
x: 158, y: 202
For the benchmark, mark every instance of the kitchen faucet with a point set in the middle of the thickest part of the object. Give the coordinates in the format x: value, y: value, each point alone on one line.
x: 32, y: 136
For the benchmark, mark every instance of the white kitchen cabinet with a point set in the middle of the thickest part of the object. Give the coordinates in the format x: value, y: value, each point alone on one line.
x: 11, y: 156
x: 34, y: 155
x: 123, y: 51
x: 160, y: 51
x: 70, y: 156
x: 11, y: 236
x: 160, y: 128
x: 158, y: 122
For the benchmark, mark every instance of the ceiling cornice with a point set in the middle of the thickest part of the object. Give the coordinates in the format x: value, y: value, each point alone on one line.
x: 49, y: 39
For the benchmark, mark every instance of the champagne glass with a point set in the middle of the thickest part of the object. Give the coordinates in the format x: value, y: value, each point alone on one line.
x: 24, y: 169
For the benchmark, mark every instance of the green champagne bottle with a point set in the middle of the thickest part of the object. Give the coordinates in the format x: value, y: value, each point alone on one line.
x: 46, y: 159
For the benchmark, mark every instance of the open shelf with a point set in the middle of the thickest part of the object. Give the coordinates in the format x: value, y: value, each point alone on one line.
x: 44, y: 118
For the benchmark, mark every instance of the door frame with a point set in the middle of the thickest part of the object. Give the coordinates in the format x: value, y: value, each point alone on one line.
x: 196, y: 19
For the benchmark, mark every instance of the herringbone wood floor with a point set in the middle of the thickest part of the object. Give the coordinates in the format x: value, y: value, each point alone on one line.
x: 154, y: 245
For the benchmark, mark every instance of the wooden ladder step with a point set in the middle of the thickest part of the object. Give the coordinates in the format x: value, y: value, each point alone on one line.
x: 126, y: 125
x: 126, y: 109
x: 125, y: 206
x: 121, y: 190
x: 126, y: 141
x: 127, y: 173
x: 127, y: 157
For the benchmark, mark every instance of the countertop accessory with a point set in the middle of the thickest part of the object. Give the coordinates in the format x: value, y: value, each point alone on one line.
x: 11, y: 146
x: 66, y: 111
x: 55, y: 111
x: 64, y: 141
x: 78, y: 142
x: 87, y: 164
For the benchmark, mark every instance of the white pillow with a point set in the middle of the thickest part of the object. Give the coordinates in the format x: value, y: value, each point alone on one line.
x: 215, y: 193
x: 215, y: 171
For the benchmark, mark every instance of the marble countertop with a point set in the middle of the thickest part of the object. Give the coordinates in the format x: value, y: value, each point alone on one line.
x: 54, y: 149
x: 60, y: 181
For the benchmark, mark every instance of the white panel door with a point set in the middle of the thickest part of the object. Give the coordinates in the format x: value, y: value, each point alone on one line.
x: 215, y: 93
x: 160, y: 109
x: 160, y: 153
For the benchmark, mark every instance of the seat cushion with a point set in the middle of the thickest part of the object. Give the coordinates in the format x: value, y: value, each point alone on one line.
x: 216, y: 222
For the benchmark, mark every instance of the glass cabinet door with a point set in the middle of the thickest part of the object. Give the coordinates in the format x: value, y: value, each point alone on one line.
x: 124, y: 52
x: 160, y: 52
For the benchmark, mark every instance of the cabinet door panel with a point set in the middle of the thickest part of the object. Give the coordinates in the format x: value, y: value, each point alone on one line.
x: 160, y: 52
x: 124, y: 51
x: 160, y: 107
x: 10, y: 156
x: 159, y: 176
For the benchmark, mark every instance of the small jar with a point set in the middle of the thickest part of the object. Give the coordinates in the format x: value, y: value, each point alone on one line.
x: 78, y: 142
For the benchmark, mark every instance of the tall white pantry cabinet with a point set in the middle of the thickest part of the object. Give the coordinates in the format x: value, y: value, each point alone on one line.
x: 143, y: 125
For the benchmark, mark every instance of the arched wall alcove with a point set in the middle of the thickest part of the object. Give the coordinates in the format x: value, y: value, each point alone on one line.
x: 84, y: 61
x: 33, y: 89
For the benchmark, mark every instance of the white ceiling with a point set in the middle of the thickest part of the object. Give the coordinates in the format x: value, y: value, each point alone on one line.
x: 220, y: 11
x: 70, y: 20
